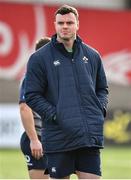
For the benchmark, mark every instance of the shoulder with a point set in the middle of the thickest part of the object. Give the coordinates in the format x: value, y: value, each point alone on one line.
x: 42, y: 54
x: 91, y: 52
x: 90, y: 49
x: 40, y: 60
x: 45, y: 49
x: 37, y: 57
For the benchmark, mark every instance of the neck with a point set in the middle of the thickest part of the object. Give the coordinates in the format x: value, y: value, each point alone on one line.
x: 68, y: 43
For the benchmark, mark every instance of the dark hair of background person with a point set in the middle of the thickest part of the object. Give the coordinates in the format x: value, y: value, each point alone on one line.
x: 42, y: 42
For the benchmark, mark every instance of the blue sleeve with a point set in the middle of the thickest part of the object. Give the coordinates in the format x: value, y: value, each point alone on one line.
x: 22, y: 92
x: 101, y: 86
x: 35, y: 87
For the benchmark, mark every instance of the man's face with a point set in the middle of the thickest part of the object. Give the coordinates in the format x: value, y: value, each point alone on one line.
x: 66, y: 26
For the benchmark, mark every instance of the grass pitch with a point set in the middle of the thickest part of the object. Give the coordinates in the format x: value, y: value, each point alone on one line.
x: 116, y: 164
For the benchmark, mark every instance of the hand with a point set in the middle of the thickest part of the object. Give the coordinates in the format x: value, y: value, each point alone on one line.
x: 36, y: 148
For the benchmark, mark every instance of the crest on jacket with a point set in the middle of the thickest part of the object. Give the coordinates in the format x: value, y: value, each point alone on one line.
x: 56, y: 63
x: 85, y: 59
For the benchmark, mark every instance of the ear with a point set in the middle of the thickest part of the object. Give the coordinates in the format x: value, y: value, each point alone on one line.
x: 77, y: 25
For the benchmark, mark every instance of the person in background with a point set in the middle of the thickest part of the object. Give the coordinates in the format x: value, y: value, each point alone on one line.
x: 31, y: 139
x: 67, y: 86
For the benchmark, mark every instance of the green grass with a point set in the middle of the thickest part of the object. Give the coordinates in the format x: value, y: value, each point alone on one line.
x: 116, y: 164
x: 12, y: 165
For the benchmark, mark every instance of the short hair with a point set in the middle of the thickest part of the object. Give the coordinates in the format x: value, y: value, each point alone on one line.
x: 43, y: 41
x: 65, y: 9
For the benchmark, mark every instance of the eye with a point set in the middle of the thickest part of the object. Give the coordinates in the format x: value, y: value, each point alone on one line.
x: 70, y: 23
x: 60, y: 23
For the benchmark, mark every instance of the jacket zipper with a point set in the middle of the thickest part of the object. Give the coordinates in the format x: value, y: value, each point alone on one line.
x: 79, y: 95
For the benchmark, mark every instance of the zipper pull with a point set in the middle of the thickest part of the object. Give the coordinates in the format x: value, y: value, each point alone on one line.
x: 72, y: 60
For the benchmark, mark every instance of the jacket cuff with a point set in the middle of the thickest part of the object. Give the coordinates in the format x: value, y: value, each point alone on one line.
x: 104, y: 111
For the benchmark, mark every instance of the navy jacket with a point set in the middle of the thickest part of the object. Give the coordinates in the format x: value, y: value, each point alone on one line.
x: 37, y: 118
x: 69, y: 92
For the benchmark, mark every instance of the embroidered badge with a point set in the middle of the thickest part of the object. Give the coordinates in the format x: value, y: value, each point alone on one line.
x: 85, y: 59
x: 56, y: 63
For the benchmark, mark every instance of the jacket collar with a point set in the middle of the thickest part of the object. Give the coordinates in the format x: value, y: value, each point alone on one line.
x: 61, y: 47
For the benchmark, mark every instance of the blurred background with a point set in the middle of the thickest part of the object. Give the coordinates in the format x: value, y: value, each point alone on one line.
x: 105, y: 25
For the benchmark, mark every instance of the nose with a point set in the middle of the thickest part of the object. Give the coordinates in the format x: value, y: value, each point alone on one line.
x: 65, y: 25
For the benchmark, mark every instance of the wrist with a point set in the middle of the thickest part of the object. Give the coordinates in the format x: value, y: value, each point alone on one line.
x: 35, y: 138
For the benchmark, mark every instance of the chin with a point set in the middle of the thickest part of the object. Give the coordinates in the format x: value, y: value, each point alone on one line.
x: 66, y: 39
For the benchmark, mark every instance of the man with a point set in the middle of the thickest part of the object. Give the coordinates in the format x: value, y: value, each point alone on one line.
x: 31, y: 139
x: 66, y: 85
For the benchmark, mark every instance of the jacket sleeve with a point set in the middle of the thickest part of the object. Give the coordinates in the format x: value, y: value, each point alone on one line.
x: 22, y: 92
x: 101, y: 86
x: 35, y: 87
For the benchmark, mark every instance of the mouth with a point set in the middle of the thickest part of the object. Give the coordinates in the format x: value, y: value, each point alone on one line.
x: 64, y: 32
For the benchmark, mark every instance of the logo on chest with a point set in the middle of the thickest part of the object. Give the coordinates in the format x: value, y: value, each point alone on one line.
x: 56, y: 63
x: 85, y: 59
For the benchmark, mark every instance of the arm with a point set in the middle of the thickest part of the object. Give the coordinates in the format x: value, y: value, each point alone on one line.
x: 35, y: 87
x: 101, y: 86
x: 29, y: 126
